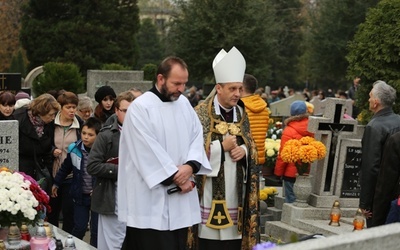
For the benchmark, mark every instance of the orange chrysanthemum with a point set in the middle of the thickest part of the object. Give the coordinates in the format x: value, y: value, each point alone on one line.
x: 308, y: 153
x: 306, y: 140
x: 320, y: 148
x: 302, y: 152
x: 290, y: 153
x: 293, y: 142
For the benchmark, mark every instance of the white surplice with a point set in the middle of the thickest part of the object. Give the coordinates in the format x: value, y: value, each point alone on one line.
x: 156, y: 139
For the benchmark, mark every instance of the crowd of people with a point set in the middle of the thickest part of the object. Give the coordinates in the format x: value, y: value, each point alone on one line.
x: 158, y: 170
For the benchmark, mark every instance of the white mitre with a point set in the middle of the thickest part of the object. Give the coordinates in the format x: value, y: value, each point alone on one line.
x: 229, y: 67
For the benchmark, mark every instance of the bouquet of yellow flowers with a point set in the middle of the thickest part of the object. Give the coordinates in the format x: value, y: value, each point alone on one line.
x: 302, y: 152
x: 267, y: 192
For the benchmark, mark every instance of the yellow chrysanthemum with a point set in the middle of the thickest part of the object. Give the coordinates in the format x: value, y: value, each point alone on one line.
x: 277, y: 146
x: 321, y: 149
x: 293, y: 143
x: 308, y: 153
x: 306, y: 140
x: 271, y: 121
x: 269, y: 145
x: 270, y: 152
x: 263, y: 195
x: 290, y: 153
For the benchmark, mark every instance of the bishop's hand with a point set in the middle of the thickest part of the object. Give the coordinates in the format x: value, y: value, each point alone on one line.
x: 237, y: 153
x: 229, y: 143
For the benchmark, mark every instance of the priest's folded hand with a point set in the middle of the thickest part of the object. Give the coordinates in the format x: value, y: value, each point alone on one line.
x: 183, y: 175
x: 187, y: 186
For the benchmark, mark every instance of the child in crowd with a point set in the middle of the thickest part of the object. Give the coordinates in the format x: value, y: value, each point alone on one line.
x: 296, y: 128
x: 82, y: 182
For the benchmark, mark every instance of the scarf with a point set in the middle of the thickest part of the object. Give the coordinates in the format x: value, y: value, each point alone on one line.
x: 37, y: 123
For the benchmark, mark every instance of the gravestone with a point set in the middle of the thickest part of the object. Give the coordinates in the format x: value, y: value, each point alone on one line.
x: 333, y: 178
x: 327, y: 129
x: 319, y: 106
x: 10, y: 81
x: 119, y: 80
x: 349, y: 107
x: 9, y: 138
x: 281, y: 108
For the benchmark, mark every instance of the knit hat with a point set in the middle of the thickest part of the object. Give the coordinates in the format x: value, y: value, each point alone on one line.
x: 22, y: 103
x: 310, y: 108
x: 21, y: 95
x: 298, y: 108
x: 102, y: 92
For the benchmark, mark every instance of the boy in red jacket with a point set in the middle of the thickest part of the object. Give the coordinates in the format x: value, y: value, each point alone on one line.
x: 296, y: 128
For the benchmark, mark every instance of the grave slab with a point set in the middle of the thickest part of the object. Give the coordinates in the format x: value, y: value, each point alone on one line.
x: 9, y: 137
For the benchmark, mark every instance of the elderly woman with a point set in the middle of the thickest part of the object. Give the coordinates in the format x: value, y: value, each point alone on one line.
x: 7, y: 104
x: 85, y: 108
x: 36, y: 134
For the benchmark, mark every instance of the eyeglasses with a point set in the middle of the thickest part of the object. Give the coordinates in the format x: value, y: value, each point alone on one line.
x: 85, y: 111
x: 122, y: 110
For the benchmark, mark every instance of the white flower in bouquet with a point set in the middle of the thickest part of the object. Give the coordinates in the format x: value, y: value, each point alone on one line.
x: 17, y: 203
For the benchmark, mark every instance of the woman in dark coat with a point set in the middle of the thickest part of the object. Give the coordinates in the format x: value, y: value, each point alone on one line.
x: 36, y: 133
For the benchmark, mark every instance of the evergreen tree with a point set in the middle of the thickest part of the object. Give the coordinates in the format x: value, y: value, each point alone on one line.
x: 150, y: 49
x: 87, y: 33
x: 374, y: 52
x: 332, y: 25
x: 58, y: 76
x: 288, y: 16
x: 18, y: 64
x: 203, y: 28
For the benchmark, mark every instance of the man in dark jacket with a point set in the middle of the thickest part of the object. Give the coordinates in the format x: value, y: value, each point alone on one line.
x: 103, y: 164
x: 383, y: 124
x: 387, y: 186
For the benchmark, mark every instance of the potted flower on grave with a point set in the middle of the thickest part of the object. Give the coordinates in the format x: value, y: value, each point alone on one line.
x: 271, y: 151
x: 272, y: 144
x: 302, y: 153
x: 267, y: 194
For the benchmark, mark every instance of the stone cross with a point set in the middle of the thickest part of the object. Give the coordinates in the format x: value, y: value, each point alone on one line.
x: 9, y: 138
x: 327, y: 129
x: 2, y: 78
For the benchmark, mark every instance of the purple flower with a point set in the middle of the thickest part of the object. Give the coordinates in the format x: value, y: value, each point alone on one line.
x: 264, y: 245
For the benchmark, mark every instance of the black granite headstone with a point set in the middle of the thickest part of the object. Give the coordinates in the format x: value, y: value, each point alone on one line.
x: 351, y: 175
x: 10, y: 81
